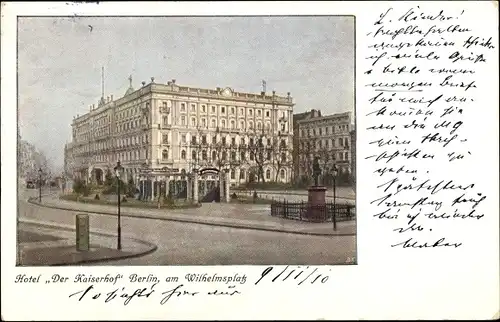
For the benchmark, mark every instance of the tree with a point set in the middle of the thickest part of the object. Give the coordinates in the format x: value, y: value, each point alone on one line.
x: 281, y: 156
x: 258, y: 153
x: 108, y: 178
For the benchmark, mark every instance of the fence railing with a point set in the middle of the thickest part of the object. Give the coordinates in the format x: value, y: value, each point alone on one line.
x: 315, y: 213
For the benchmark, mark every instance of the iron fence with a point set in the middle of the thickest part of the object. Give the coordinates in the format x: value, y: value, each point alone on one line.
x: 315, y: 213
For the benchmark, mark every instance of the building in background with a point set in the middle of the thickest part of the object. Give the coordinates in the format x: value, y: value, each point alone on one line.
x: 326, y: 137
x: 296, y: 139
x: 353, y: 154
x: 178, y: 128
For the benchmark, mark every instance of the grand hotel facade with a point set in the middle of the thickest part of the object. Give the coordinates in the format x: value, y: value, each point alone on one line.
x: 171, y: 127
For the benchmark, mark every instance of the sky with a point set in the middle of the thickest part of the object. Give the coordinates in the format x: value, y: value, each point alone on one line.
x: 60, y: 61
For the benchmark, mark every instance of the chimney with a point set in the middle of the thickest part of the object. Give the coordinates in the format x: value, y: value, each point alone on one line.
x: 152, y: 79
x: 288, y: 94
x: 143, y: 83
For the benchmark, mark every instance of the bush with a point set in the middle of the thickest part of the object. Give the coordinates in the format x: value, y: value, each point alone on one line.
x: 80, y: 187
x: 97, y: 197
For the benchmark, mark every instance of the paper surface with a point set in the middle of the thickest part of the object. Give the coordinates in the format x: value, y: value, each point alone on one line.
x: 427, y: 184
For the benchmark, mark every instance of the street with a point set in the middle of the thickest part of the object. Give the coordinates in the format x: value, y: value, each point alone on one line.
x: 196, y: 244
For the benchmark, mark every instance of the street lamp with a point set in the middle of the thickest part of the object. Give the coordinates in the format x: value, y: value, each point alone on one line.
x: 334, y: 219
x: 118, y: 172
x: 40, y: 185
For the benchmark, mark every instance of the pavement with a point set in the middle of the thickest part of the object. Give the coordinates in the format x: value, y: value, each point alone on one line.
x: 243, y: 216
x: 52, y: 244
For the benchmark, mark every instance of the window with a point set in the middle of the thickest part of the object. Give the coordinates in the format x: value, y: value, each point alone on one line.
x: 183, y: 138
x: 203, y: 123
x: 203, y: 108
x: 242, y: 125
x: 250, y: 125
x: 232, y: 110
x: 223, y: 141
x: 250, y: 112
x: 268, y: 155
x: 193, y: 121
x: 223, y: 124
x: 204, y: 139
x: 340, y: 155
x: 193, y: 155
x: 258, y: 112
x: 333, y: 143
x: 326, y: 130
x: 193, y: 140
x: 268, y: 174
x: 233, y: 141
x: 283, y: 174
x: 204, y: 154
x: 183, y: 154
x: 242, y: 141
x: 242, y: 174
x: 242, y: 155
x: 233, y: 156
x: 223, y: 109
x: 183, y: 107
x: 193, y: 107
x: 183, y: 120
x: 251, y: 156
x: 241, y: 111
x: 214, y: 156
x: 224, y: 155
x: 213, y: 123
x: 346, y: 142
x: 165, y: 138
x: 346, y: 156
x: 268, y: 141
x: 267, y: 113
x: 320, y: 131
x: 213, y: 108
x: 283, y: 157
x: 251, y: 142
x: 340, y: 142
x: 214, y: 140
x: 164, y: 154
x: 259, y: 126
x: 233, y: 175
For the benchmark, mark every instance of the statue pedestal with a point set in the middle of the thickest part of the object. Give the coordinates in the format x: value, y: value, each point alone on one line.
x: 316, y: 204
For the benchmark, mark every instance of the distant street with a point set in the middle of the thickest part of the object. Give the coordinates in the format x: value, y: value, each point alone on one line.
x: 195, y: 244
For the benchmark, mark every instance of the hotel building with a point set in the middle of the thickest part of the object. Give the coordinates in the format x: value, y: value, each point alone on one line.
x: 167, y: 127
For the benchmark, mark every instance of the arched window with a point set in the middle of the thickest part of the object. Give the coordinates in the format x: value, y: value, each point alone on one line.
x: 283, y: 157
x: 214, y: 156
x: 268, y: 174
x: 283, y: 174
x: 183, y: 154
x: 242, y: 155
x: 242, y: 174
x: 242, y: 125
x: 204, y: 154
x: 223, y: 124
x: 213, y: 123
x: 193, y: 155
x: 164, y: 154
x: 259, y: 126
x: 232, y: 125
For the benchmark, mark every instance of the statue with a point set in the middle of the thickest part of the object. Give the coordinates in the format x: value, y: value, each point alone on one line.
x: 316, y: 170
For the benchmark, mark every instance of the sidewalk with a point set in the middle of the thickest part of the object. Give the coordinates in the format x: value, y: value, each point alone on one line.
x: 246, y: 216
x: 47, y: 244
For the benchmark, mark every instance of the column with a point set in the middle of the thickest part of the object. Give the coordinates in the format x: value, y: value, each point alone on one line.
x: 221, y: 185
x: 189, y: 181
x: 195, y: 187
x: 167, y: 185
x: 152, y: 189
x: 228, y: 183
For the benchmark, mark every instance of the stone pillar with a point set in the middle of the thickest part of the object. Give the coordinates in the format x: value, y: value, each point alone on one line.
x: 195, y: 187
x: 167, y: 185
x: 221, y: 185
x: 316, y: 204
x: 228, y: 183
x: 152, y: 190
x: 189, y: 182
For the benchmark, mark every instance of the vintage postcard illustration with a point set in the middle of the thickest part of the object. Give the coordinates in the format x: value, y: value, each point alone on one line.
x: 186, y: 140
